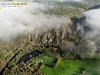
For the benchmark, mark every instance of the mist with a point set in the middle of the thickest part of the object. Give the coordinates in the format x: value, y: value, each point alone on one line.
x: 62, y: 0
x: 89, y: 28
x: 46, y: 0
x: 28, y: 18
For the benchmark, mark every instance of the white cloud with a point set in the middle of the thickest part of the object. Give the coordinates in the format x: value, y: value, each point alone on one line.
x: 62, y: 0
x: 67, y: 0
x: 89, y: 28
x: 48, y: 0
x: 30, y: 18
x: 92, y: 18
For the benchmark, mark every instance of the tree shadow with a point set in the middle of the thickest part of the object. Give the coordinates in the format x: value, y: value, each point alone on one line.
x: 79, y: 72
x: 75, y: 20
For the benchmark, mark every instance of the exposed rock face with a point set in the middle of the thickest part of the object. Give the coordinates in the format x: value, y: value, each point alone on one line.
x: 59, y: 35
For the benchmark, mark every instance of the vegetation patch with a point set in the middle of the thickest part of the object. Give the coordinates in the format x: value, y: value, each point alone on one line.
x: 72, y: 67
x: 46, y: 59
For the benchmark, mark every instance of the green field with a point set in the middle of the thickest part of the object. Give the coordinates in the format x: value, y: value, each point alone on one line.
x: 47, y: 59
x: 72, y: 67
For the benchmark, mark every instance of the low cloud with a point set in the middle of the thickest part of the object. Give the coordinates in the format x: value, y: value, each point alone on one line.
x: 63, y: 0
x: 29, y: 18
x: 46, y: 0
x: 70, y: 0
x: 89, y: 28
